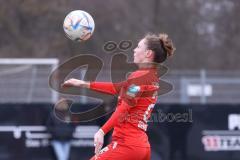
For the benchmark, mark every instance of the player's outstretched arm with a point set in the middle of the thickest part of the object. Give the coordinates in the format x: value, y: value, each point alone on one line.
x: 76, y: 83
x: 103, y: 87
x: 106, y: 87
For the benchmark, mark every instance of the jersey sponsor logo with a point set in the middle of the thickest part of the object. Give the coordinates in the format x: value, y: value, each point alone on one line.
x: 133, y: 90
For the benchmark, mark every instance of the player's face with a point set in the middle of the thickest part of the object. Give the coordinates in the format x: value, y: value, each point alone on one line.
x: 140, y: 52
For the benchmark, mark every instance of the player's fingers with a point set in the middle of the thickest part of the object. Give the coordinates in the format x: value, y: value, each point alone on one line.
x: 65, y: 84
x: 95, y: 144
x: 68, y: 83
x: 98, y: 148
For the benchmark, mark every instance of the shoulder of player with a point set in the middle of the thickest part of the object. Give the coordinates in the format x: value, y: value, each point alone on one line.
x: 138, y: 73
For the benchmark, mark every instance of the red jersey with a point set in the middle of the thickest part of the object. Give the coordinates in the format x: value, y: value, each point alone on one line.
x: 136, y: 100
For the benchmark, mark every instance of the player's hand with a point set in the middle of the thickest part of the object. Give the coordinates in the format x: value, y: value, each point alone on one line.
x: 75, y: 83
x: 98, y: 141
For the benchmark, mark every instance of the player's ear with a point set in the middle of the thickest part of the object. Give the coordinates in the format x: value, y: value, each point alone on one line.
x: 149, y: 53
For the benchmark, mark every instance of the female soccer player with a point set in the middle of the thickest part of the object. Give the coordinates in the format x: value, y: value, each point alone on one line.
x: 136, y: 99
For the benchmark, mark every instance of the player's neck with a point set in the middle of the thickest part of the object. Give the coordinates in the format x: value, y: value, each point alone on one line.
x: 147, y: 65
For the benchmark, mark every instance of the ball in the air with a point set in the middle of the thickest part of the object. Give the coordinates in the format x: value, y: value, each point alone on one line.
x: 78, y: 25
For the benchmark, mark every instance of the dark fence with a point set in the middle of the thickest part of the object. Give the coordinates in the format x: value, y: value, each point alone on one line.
x: 187, y: 132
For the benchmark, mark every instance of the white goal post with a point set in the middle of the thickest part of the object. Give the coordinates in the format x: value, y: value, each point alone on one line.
x: 25, y: 80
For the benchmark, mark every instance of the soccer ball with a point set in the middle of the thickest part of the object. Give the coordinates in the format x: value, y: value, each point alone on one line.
x: 78, y: 25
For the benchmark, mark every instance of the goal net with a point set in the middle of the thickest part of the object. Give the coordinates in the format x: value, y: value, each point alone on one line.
x: 26, y: 80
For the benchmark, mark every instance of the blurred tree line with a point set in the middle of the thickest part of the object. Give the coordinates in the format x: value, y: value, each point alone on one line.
x: 206, y: 32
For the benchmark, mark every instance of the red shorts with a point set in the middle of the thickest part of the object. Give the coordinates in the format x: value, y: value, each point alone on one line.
x: 121, y: 152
